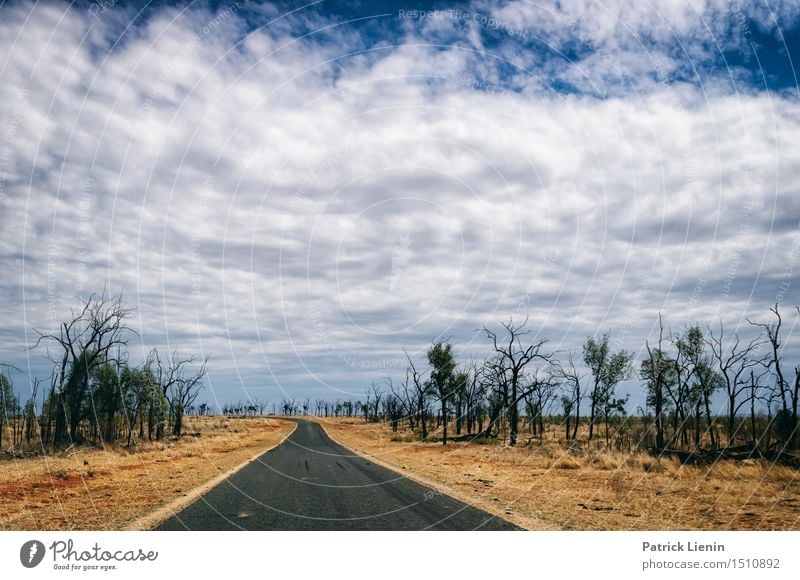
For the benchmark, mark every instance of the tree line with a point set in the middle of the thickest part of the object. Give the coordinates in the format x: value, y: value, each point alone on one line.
x: 94, y: 394
x: 522, y: 388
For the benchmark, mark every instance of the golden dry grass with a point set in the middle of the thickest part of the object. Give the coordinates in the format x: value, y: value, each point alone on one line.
x: 550, y: 488
x: 92, y: 489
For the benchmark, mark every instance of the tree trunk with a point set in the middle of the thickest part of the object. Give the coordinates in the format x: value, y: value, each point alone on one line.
x: 541, y: 425
x: 684, y: 432
x: 61, y: 421
x: 710, y: 423
x: 697, y: 414
x: 592, y: 411
x: 659, y: 411
x: 795, y: 401
x: 177, y: 425
x: 514, y: 413
x: 753, y: 409
x: 458, y: 415
x: 444, y: 421
x: 768, y: 428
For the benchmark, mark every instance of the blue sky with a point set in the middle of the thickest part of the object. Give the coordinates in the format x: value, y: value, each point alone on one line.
x: 302, y: 190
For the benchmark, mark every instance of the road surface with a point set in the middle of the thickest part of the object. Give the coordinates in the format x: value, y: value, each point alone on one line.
x: 312, y: 483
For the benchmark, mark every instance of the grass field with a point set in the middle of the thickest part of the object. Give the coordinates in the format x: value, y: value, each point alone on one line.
x: 550, y: 488
x: 91, y: 489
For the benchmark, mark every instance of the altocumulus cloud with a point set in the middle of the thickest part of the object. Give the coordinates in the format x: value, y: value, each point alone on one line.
x: 301, y: 192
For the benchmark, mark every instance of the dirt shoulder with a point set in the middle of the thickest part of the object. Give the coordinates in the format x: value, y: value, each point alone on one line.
x: 548, y: 488
x: 92, y: 489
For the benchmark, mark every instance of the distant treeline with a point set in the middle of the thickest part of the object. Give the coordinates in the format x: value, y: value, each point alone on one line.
x: 522, y: 388
x: 93, y: 393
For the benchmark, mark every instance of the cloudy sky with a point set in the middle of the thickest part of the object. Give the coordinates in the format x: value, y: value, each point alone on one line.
x: 301, y: 190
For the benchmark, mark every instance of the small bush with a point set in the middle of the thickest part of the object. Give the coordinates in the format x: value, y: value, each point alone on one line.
x: 403, y: 438
x: 61, y: 474
x: 565, y: 462
x: 605, y: 462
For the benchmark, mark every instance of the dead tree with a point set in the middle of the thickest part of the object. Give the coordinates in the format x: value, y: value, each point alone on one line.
x: 786, y: 393
x: 539, y: 391
x: 374, y: 396
x: 82, y: 343
x: 474, y: 392
x: 734, y: 360
x: 179, y: 386
x: 421, y: 393
x: 513, y: 356
x: 494, y: 377
x: 571, y: 401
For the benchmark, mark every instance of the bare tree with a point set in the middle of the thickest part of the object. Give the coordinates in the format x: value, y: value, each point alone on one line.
x: 540, y: 390
x: 571, y: 402
x: 496, y: 383
x: 374, y: 394
x: 772, y: 331
x: 460, y: 379
x: 394, y: 404
x: 82, y: 343
x: 402, y: 403
x: 757, y: 396
x: 787, y: 394
x: 734, y: 360
x: 30, y: 412
x: 421, y: 392
x: 474, y: 392
x: 179, y: 385
x: 513, y: 356
x: 795, y: 395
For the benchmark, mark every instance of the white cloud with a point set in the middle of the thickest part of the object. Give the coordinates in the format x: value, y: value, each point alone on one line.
x: 316, y: 208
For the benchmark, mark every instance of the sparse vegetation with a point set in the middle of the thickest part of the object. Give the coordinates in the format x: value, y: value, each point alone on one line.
x: 530, y: 455
x: 522, y: 414
x: 111, y: 441
x: 89, y: 488
x: 523, y: 391
x: 555, y: 487
x: 96, y: 395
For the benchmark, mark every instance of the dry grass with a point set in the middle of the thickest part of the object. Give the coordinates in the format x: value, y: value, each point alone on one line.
x: 92, y: 489
x: 550, y: 488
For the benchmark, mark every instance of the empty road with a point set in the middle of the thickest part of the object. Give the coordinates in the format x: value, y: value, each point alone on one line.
x: 311, y: 483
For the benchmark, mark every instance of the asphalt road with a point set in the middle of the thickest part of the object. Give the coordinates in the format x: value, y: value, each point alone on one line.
x: 311, y: 483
